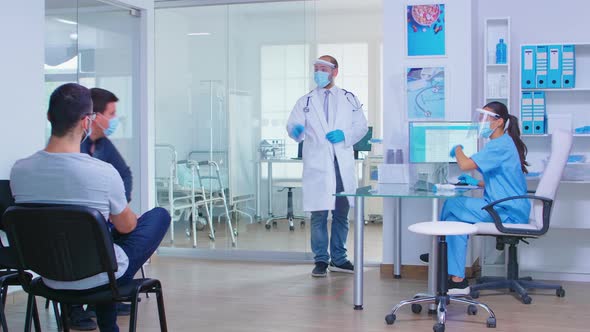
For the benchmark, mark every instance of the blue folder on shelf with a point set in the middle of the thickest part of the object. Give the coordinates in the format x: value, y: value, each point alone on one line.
x: 528, y: 75
x: 526, y: 112
x: 568, y: 66
x: 539, y: 114
x: 554, y: 64
x: 541, y: 67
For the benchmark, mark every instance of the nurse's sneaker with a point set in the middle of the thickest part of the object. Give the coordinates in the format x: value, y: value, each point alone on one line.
x: 345, y: 267
x: 458, y: 288
x: 319, y: 270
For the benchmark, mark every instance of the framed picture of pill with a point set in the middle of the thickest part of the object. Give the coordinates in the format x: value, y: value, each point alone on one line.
x: 425, y: 30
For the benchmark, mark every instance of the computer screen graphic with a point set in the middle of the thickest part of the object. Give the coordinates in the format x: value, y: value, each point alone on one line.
x: 431, y: 142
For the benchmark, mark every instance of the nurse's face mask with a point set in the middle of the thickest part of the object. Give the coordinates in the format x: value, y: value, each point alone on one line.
x: 486, y: 122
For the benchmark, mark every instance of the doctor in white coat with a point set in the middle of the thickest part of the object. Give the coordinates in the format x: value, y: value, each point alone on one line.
x: 331, y: 121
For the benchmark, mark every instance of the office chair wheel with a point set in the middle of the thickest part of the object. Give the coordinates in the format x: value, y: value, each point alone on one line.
x: 390, y: 319
x: 491, y: 322
x: 474, y: 294
x: 267, y: 226
x: 527, y: 299
x: 416, y: 308
x: 291, y: 228
x: 438, y: 327
x: 560, y: 292
x: 302, y: 223
x: 274, y: 224
x: 471, y: 310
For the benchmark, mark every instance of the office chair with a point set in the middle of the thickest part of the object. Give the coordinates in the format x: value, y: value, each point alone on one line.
x: 512, y: 234
x: 69, y: 243
x: 290, y: 216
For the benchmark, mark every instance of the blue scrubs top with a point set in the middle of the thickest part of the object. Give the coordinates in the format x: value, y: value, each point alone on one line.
x: 499, y: 163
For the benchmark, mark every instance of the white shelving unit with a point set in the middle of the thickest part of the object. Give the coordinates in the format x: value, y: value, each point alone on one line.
x: 496, y: 88
x: 496, y: 75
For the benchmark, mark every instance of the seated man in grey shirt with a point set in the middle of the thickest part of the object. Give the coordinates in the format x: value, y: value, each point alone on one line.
x: 60, y: 174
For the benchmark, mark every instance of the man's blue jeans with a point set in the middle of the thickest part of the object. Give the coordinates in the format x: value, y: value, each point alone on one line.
x: 139, y: 245
x: 339, y: 232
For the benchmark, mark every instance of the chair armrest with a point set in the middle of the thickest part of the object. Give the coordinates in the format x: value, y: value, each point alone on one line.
x: 547, y: 204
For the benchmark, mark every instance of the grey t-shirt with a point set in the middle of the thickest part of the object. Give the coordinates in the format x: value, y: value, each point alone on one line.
x: 76, y: 179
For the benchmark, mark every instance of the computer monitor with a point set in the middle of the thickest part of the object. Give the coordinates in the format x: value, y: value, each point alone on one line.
x: 364, y: 144
x: 431, y: 142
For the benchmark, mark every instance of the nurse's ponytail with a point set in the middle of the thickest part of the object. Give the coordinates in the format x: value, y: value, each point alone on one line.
x: 513, y: 129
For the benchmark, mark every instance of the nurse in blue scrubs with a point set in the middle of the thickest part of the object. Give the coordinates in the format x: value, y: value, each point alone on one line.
x: 502, y: 164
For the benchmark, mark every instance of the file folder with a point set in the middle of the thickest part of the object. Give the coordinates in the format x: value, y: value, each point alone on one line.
x: 568, y: 66
x: 554, y: 64
x: 526, y: 113
x: 539, y: 114
x: 541, y: 67
x: 528, y: 73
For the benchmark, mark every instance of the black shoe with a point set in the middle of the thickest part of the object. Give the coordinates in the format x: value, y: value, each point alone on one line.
x: 346, y: 267
x: 81, y: 321
x: 319, y: 270
x: 91, y: 310
x: 424, y: 258
x: 123, y: 309
x: 458, y: 288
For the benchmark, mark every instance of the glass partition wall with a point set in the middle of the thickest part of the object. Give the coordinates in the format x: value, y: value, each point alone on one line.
x: 227, y: 77
x: 96, y: 44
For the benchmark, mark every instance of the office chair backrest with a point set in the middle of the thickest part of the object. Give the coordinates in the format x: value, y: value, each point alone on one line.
x: 59, y: 242
x: 561, y: 143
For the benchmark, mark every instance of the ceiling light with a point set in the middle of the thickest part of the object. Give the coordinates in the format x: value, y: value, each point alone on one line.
x: 66, y: 21
x: 199, y: 34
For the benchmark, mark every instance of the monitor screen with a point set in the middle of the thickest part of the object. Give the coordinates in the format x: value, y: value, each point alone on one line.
x: 431, y: 142
x: 364, y: 144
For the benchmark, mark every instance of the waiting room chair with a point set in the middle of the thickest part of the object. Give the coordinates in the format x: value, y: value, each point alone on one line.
x: 69, y: 243
x: 8, y: 276
x: 512, y: 234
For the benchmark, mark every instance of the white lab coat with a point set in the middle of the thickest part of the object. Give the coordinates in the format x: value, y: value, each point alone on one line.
x: 319, y: 178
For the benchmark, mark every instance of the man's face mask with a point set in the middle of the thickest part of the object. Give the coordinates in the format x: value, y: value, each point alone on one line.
x: 321, y: 78
x: 113, y: 124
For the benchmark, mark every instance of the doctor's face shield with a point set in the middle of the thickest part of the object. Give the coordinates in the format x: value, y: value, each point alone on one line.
x: 323, y: 72
x: 485, y: 121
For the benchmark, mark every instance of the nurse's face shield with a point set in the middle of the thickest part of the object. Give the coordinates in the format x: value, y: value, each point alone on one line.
x: 483, y: 120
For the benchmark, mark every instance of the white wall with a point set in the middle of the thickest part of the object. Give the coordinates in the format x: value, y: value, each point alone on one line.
x: 458, y: 105
x: 22, y: 129
x: 562, y: 253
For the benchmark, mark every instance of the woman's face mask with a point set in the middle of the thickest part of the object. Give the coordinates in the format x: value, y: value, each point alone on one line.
x: 485, y: 131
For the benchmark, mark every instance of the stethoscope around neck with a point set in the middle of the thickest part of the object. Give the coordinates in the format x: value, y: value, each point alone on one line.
x: 354, y: 102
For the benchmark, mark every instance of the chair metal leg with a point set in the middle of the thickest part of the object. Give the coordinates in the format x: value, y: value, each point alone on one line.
x: 64, y: 317
x: 413, y: 301
x: 133, y: 317
x: 161, y: 310
x: 526, y: 278
x: 2, y: 316
x: 29, y: 314
x: 36, y: 320
x: 57, y: 316
x: 538, y: 285
x: 147, y: 295
x: 484, y: 280
x: 475, y: 303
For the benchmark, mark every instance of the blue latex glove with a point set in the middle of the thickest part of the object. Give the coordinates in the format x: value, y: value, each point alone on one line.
x: 335, y: 136
x: 297, y: 130
x: 452, y: 154
x: 470, y: 180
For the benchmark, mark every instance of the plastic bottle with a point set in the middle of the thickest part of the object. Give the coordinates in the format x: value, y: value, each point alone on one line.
x: 501, y: 51
x: 503, y: 86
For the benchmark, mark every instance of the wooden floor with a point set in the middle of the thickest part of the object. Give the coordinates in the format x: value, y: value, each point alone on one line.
x: 258, y: 297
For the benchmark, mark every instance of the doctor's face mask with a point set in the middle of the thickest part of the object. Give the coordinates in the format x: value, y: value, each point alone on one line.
x: 323, y: 72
